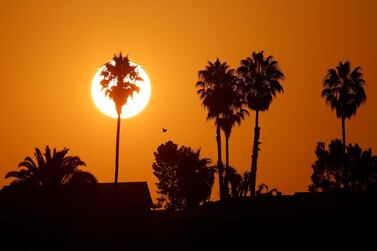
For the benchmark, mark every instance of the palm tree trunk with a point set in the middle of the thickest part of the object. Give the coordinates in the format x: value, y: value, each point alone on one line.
x: 116, y: 157
x: 345, y: 166
x: 226, y: 185
x: 219, y: 161
x: 254, y: 156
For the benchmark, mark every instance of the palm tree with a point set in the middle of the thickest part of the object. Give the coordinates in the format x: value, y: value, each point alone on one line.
x: 263, y: 190
x: 235, y: 180
x: 245, y: 184
x: 215, y: 98
x: 261, y: 82
x: 343, y: 90
x: 119, y: 77
x: 51, y: 172
x: 233, y: 115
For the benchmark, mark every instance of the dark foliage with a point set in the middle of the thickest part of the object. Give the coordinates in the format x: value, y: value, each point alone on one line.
x: 185, y: 179
x: 263, y: 190
x: 50, y: 172
x: 239, y: 184
x: 328, y: 169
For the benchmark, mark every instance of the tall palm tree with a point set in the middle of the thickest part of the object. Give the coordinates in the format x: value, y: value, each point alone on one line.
x: 343, y: 90
x: 261, y: 81
x: 119, y: 77
x: 50, y: 171
x: 232, y: 116
x: 212, y: 89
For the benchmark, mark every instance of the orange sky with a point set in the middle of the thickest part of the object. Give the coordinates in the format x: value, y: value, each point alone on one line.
x: 50, y: 51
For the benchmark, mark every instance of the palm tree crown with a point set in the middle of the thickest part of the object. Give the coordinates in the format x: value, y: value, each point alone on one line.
x: 344, y: 89
x: 214, y: 88
x: 261, y: 77
x: 119, y: 77
x: 51, y: 170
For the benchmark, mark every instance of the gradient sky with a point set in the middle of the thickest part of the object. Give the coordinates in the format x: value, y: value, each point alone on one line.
x: 50, y: 51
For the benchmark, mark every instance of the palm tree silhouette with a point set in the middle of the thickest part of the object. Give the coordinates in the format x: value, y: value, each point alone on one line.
x: 261, y: 81
x: 343, y: 90
x: 235, y: 180
x: 51, y: 171
x: 234, y: 114
x: 264, y: 190
x: 213, y: 89
x: 119, y: 77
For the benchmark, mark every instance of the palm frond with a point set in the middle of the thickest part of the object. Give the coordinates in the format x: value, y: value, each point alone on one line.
x: 50, y: 169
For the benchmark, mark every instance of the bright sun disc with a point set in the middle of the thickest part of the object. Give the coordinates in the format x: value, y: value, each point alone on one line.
x: 134, y: 105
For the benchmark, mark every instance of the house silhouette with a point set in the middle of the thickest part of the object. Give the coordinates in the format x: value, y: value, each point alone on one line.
x: 130, y: 196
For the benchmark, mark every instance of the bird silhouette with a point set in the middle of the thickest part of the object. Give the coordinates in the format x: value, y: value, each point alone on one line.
x: 164, y: 130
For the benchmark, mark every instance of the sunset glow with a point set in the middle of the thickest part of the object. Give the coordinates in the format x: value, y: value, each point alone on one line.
x: 52, y: 51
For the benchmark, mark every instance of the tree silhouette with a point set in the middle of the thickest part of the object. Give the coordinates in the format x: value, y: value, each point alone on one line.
x: 240, y: 184
x: 185, y: 179
x: 119, y: 77
x: 263, y: 190
x: 51, y: 172
x: 329, y: 174
x: 196, y: 176
x: 234, y: 114
x: 165, y: 170
x: 343, y: 90
x: 261, y: 82
x: 213, y: 89
x: 245, y: 184
x: 235, y: 180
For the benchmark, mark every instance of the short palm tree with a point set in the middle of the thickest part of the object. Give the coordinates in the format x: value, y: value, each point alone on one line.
x: 235, y: 180
x: 51, y: 171
x: 212, y: 89
x: 343, y: 90
x: 261, y: 82
x: 264, y: 190
x: 119, y: 77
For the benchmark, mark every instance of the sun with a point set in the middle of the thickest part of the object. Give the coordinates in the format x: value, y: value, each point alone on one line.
x: 134, y: 105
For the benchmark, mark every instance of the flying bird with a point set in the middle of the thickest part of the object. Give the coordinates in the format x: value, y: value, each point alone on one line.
x: 164, y: 130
